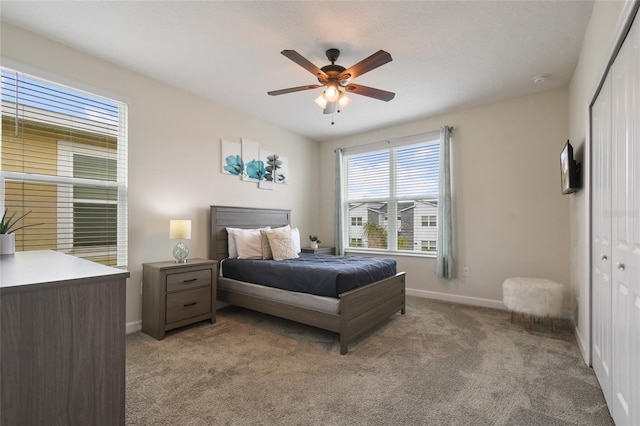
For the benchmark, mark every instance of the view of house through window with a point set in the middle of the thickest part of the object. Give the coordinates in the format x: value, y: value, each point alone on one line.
x: 399, y: 182
x: 64, y: 161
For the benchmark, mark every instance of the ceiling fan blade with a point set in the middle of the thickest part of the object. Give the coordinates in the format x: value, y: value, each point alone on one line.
x: 374, y: 61
x: 330, y: 108
x: 293, y: 89
x: 358, y: 89
x: 304, y: 63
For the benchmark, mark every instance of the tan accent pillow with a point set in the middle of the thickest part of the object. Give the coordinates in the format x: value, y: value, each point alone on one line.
x: 281, y: 243
x: 266, y: 248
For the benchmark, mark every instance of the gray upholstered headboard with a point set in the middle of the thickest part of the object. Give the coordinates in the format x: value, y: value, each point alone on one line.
x: 240, y: 217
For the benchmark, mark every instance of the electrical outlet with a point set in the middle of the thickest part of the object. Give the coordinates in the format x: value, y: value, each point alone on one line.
x: 465, y: 271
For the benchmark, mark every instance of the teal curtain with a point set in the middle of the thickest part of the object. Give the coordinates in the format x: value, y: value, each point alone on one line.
x: 445, y: 262
x: 339, y: 215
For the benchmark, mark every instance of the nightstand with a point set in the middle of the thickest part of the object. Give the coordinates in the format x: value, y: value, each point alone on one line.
x: 319, y: 250
x: 177, y: 294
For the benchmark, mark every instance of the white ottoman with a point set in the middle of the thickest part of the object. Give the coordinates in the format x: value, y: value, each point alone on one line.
x: 536, y: 297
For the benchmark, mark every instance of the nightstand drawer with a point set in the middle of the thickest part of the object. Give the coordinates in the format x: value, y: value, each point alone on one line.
x: 187, y: 304
x: 187, y: 280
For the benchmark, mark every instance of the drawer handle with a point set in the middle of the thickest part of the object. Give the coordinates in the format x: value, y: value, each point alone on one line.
x: 190, y: 280
x: 186, y: 305
x: 620, y: 266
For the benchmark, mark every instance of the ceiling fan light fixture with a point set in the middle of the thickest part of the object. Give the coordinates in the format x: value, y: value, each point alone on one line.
x: 334, y: 79
x: 343, y: 100
x: 321, y: 101
x: 332, y: 93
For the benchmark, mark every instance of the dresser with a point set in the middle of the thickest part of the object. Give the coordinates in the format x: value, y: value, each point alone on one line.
x: 177, y: 294
x: 62, y: 344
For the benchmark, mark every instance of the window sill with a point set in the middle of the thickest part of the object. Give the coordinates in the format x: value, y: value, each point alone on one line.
x: 389, y: 253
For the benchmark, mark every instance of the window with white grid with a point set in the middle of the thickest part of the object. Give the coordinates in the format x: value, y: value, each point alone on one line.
x: 392, y: 180
x: 64, y: 165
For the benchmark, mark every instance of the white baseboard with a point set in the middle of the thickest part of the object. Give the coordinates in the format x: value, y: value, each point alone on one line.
x: 134, y: 326
x: 467, y: 300
x: 586, y: 354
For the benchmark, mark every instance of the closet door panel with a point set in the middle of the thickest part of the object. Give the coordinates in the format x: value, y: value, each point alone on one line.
x: 634, y: 222
x: 621, y: 236
x: 601, y: 238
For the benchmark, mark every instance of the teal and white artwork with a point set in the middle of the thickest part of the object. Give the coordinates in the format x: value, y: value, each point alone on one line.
x: 253, y: 164
x: 266, y: 182
x: 253, y: 167
x: 281, y: 174
x: 232, y: 163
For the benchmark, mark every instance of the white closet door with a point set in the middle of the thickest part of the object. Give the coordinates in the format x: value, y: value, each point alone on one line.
x: 625, y: 249
x: 601, y: 238
x: 633, y: 262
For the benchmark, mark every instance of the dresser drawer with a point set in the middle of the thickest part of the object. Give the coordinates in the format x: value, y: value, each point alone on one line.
x: 186, y: 280
x: 187, y: 304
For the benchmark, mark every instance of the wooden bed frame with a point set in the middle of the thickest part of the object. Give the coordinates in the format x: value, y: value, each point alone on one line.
x: 359, y: 309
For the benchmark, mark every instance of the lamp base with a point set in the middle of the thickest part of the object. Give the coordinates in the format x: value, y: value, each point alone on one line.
x: 180, y: 252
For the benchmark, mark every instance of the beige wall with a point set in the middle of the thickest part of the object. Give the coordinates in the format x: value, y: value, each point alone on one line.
x: 174, y: 153
x: 600, y: 38
x: 512, y: 219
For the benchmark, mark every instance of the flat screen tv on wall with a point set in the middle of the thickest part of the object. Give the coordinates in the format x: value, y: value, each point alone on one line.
x: 569, y: 170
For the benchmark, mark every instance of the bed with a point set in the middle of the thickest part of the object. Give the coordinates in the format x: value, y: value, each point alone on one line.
x: 351, y: 314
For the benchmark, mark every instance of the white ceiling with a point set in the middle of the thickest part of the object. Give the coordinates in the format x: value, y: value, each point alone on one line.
x: 446, y: 54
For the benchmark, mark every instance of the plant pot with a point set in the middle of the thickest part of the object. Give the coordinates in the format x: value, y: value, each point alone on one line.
x: 7, y: 244
x: 314, y: 245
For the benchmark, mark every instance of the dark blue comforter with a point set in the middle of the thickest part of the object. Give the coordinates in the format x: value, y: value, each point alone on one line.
x: 322, y: 275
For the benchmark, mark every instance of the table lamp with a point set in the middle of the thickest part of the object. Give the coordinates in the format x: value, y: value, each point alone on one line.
x: 180, y: 230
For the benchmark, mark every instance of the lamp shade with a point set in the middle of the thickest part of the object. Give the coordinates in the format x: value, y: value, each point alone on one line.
x: 180, y: 229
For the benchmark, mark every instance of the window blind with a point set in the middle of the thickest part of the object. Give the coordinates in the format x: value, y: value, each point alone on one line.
x: 389, y: 191
x: 64, y: 164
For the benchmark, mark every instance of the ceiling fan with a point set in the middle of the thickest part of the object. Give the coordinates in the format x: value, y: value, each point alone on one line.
x: 337, y: 78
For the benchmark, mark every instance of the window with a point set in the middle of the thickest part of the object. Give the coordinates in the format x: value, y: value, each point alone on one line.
x: 429, y: 245
x: 392, y: 180
x: 355, y: 242
x: 356, y: 221
x: 429, y: 220
x: 64, y: 159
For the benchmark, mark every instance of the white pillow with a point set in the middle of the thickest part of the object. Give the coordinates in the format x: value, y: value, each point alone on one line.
x: 295, y: 239
x: 231, y: 242
x: 281, y: 244
x: 248, y: 243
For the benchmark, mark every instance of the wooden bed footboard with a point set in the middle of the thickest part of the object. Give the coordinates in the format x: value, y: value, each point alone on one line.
x: 360, y: 309
x: 363, y: 308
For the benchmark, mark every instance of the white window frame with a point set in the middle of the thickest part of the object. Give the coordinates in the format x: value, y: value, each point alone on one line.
x: 429, y: 223
x: 427, y: 246
x: 63, y: 180
x: 66, y: 151
x: 393, y: 227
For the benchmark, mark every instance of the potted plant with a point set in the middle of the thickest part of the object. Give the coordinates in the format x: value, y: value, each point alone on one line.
x: 314, y: 241
x: 9, y: 225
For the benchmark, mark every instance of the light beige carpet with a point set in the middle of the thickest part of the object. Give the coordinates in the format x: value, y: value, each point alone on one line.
x: 440, y: 363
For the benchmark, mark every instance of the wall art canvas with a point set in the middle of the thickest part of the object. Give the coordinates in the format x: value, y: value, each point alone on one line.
x: 232, y: 163
x: 281, y: 175
x: 253, y: 167
x: 267, y: 181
